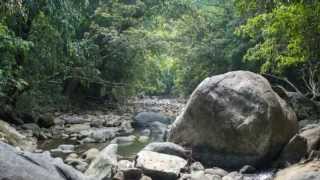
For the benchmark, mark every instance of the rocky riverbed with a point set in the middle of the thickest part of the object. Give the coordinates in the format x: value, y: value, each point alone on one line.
x: 130, y: 143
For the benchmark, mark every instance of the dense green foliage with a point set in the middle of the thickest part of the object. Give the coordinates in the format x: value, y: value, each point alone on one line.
x: 53, y: 49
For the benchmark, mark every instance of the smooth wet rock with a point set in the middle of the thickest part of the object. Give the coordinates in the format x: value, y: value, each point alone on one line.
x: 235, y: 119
x: 160, y: 166
x: 144, y: 119
x: 102, y: 167
x: 16, y: 165
x: 216, y: 171
x: 308, y: 171
x: 168, y: 148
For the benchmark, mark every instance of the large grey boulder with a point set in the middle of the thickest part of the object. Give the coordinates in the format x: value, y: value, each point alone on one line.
x: 160, y: 166
x: 235, y: 119
x: 15, y: 165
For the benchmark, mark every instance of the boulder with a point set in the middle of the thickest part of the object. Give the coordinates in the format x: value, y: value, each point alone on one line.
x: 308, y: 171
x: 168, y: 148
x: 102, y: 167
x: 294, y: 151
x: 160, y: 166
x: 235, y: 119
x: 312, y: 135
x: 144, y: 119
x: 16, y: 165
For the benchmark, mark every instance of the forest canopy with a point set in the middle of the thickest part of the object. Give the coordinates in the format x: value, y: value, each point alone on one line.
x: 55, y: 51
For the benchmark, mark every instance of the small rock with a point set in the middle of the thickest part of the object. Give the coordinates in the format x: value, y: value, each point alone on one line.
x: 91, y: 154
x: 157, y: 165
x: 247, y: 169
x: 216, y: 171
x: 196, y: 166
x: 126, y: 140
x: 66, y: 147
x: 233, y: 176
x: 72, y: 156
